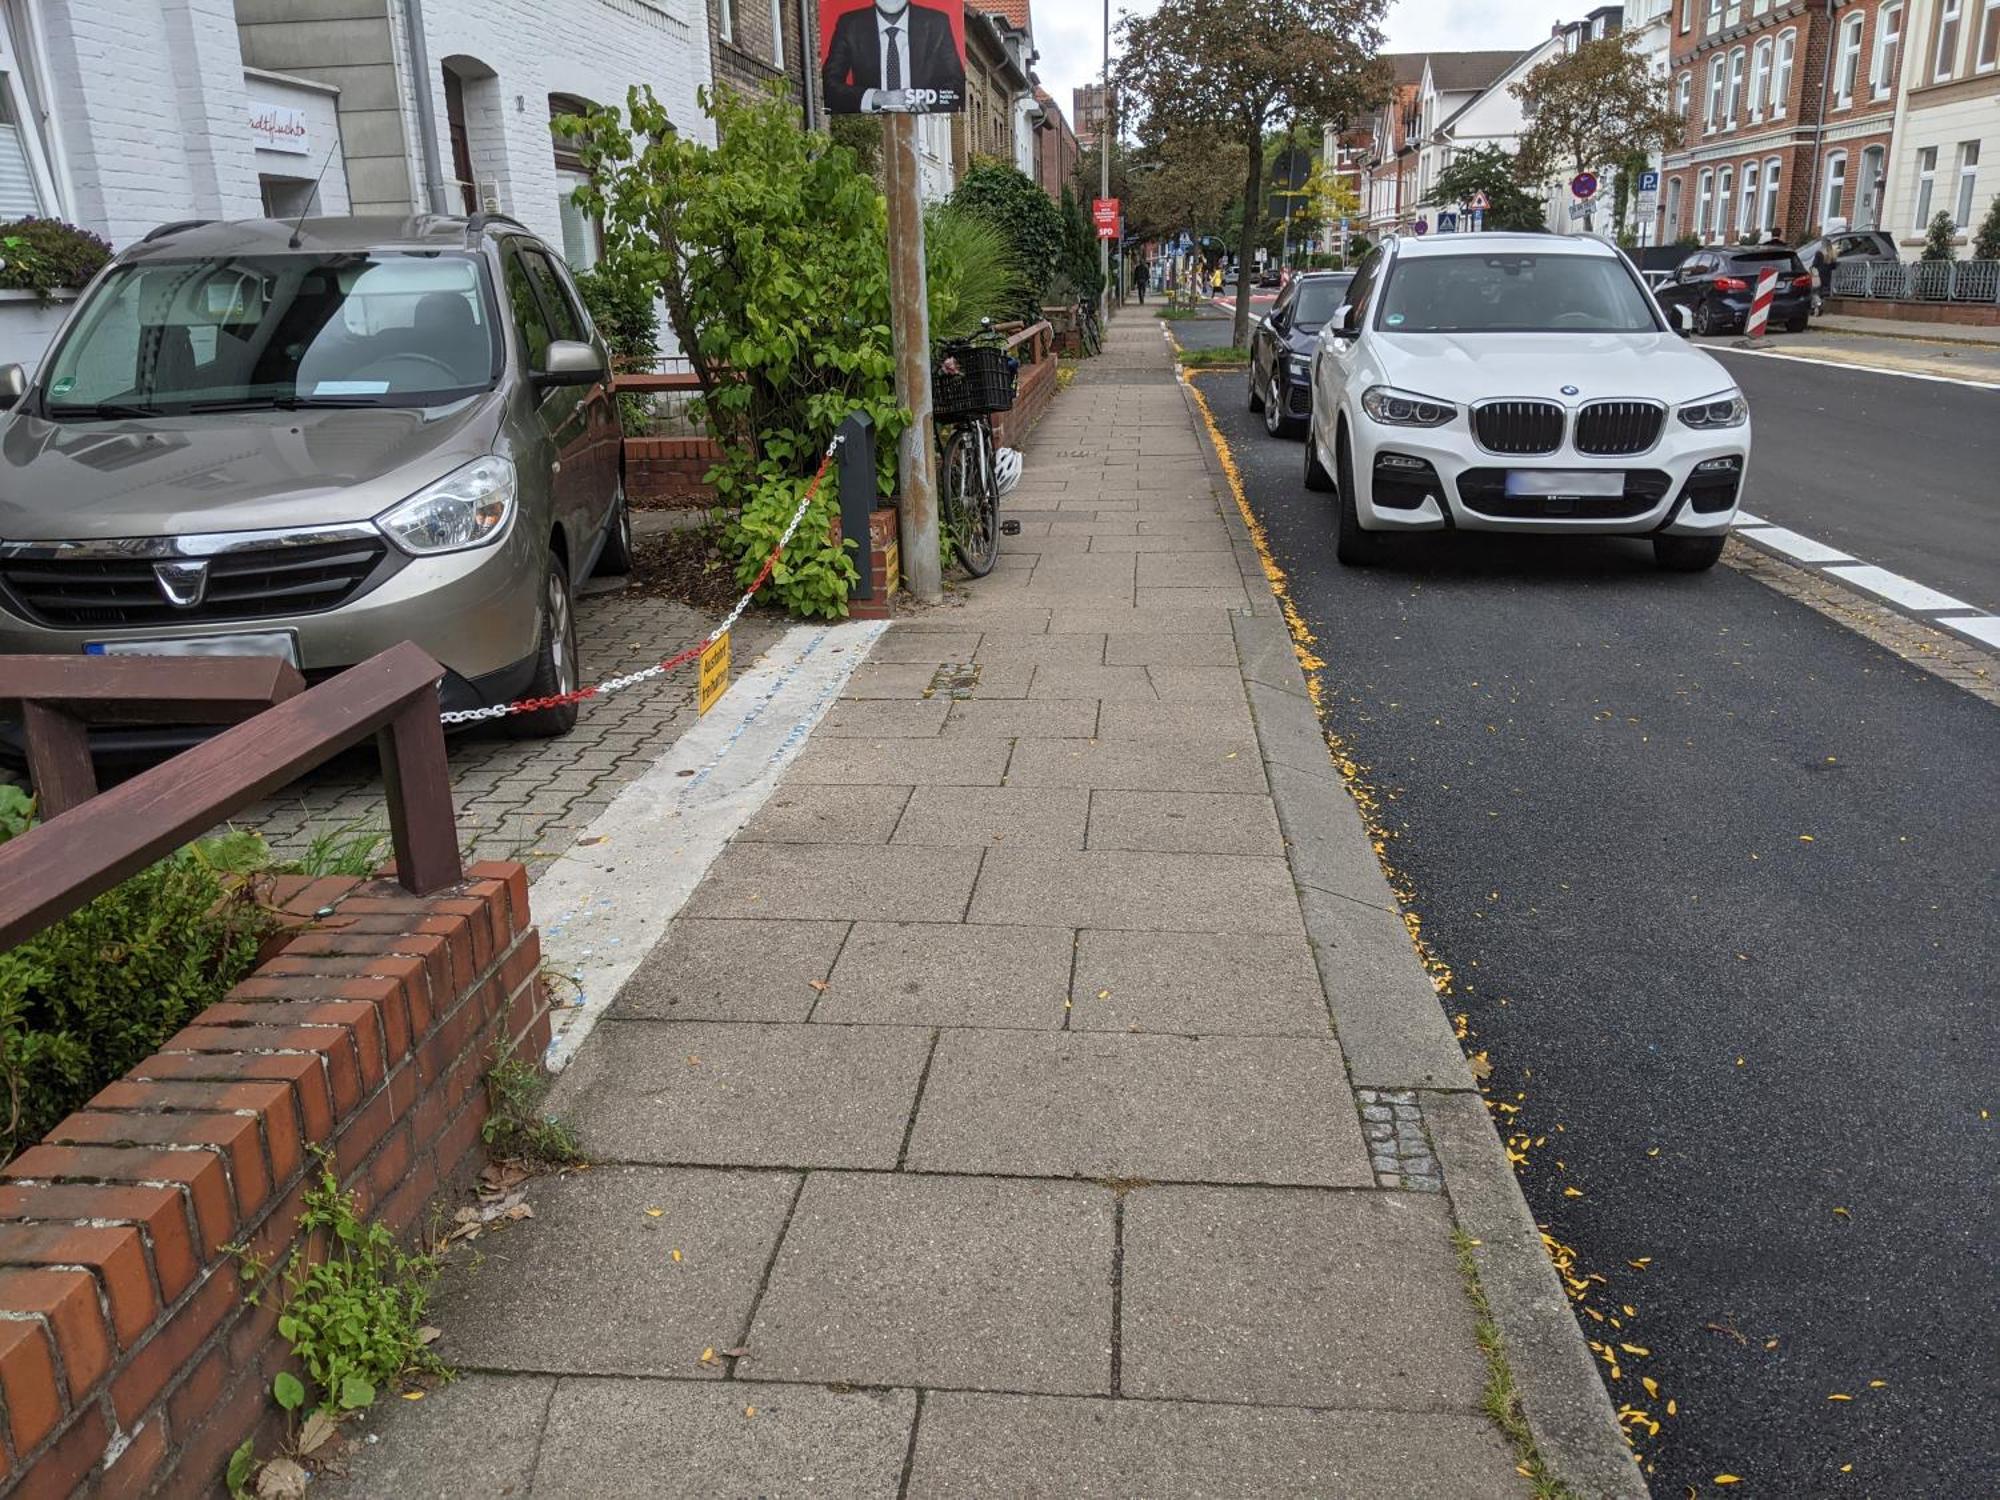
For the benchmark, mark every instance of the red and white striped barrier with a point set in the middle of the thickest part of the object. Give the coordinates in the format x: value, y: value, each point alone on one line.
x: 1760, y: 308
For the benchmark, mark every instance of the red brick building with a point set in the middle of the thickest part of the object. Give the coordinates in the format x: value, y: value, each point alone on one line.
x: 1056, y: 148
x: 1789, y: 107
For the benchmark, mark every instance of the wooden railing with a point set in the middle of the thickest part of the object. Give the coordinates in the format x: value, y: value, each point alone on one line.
x: 1037, y: 336
x: 84, y: 847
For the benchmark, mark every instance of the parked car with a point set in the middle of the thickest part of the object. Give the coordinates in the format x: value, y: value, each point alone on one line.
x: 1270, y: 274
x: 1281, y: 346
x: 1517, y: 382
x: 316, y: 442
x: 1718, y: 285
x: 1861, y: 246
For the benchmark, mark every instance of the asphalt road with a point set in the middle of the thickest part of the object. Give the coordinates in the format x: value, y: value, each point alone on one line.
x: 1716, y: 879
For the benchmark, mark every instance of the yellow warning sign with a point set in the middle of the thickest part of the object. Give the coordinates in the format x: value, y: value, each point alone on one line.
x: 893, y: 568
x: 714, y: 673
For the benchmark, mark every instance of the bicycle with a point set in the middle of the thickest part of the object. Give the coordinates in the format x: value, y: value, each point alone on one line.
x: 970, y: 380
x: 1090, y: 333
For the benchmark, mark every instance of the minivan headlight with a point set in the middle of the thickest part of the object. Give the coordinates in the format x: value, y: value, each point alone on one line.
x: 1724, y: 409
x: 467, y: 508
x: 1394, y: 408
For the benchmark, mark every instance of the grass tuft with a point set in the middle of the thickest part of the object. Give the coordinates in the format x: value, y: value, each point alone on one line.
x: 1501, y: 1400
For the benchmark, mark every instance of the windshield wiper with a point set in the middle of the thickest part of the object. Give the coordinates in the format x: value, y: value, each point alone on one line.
x: 106, y: 410
x: 279, y: 403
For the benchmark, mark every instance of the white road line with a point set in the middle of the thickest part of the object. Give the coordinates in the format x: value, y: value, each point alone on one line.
x: 1798, y: 548
x: 1982, y: 628
x: 1829, y: 364
x: 1897, y: 589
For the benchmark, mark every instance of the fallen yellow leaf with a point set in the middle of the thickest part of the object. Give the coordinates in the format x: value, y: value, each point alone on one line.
x: 749, y: 1411
x: 1727, y: 1479
x: 1570, y: 1192
x: 413, y: 1395
x: 1876, y: 1385
x: 654, y: 1213
x: 1673, y: 1407
x: 1652, y: 1386
x: 1839, y: 1396
x: 1843, y: 1213
x: 1847, y: 1468
x: 1104, y: 994
x: 708, y: 1356
x: 677, y: 1257
x: 1805, y: 838
x: 1641, y: 1263
x: 1635, y: 1349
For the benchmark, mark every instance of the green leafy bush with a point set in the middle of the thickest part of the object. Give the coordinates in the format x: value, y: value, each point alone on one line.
x: 624, y: 312
x: 45, y: 255
x: 1080, y: 266
x: 1986, y: 244
x: 1013, y: 203
x: 972, y: 271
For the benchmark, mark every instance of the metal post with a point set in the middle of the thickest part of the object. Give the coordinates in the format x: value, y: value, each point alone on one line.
x: 856, y: 470
x: 1104, y: 166
x: 427, y: 130
x: 909, y: 305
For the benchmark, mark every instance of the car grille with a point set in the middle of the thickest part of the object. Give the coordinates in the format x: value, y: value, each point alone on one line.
x: 1485, y: 490
x: 1299, y: 401
x: 1518, y: 426
x: 1612, y: 428
x: 85, y: 593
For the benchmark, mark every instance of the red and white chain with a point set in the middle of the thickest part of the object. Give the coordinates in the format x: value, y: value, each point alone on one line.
x: 680, y: 659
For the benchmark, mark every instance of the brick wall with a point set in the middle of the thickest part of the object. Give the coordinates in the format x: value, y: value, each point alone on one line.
x: 669, y: 473
x: 749, y: 59
x: 130, y: 1361
x: 1036, y: 390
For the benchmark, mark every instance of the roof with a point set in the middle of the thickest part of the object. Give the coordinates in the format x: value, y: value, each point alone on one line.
x: 1455, y: 72
x: 1014, y: 12
x: 321, y: 235
x: 1497, y: 241
x: 1408, y: 66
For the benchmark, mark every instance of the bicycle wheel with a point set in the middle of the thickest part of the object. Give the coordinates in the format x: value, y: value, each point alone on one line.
x: 970, y: 497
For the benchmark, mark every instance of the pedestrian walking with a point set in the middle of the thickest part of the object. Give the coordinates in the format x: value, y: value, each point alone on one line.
x: 1140, y: 281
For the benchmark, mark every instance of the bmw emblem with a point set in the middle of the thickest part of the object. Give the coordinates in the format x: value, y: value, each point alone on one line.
x: 1570, y: 390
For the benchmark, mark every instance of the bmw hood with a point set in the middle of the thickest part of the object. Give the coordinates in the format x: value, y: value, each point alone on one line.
x: 237, y: 471
x: 1468, y: 367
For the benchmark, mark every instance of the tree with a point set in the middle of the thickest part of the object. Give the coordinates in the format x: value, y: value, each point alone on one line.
x: 1986, y: 245
x: 1593, y: 108
x: 1014, y: 203
x: 1941, y: 239
x: 1236, y: 66
x: 1496, y: 173
x: 1187, y: 180
x: 1331, y: 197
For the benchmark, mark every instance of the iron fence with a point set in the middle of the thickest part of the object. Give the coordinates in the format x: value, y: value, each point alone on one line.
x: 1975, y: 281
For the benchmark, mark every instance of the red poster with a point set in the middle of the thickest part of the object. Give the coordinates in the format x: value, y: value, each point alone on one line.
x: 1105, y: 212
x: 892, y: 57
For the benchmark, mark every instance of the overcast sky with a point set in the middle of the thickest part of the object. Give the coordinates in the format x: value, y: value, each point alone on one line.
x: 1070, y: 33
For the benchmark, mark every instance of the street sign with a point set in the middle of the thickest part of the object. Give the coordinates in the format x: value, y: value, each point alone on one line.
x: 1649, y: 182
x: 917, y: 68
x: 714, y: 673
x: 1479, y: 203
x: 1421, y: 228
x: 1447, y: 223
x: 1104, y: 212
x: 1584, y: 185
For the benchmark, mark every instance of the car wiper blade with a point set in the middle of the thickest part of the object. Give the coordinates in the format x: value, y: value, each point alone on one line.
x: 109, y: 410
x: 279, y: 403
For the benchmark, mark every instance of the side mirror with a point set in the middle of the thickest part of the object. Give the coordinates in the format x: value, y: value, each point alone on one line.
x: 13, y: 385
x: 571, y: 362
x: 1683, y: 322
x: 1342, y: 325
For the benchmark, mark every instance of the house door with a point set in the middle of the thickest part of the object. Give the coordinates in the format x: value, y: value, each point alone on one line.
x: 1868, y: 199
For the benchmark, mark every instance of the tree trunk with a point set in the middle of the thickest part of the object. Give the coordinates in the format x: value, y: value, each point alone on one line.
x: 1253, y: 194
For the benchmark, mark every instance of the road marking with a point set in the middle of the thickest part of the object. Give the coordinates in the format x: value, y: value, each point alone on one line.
x: 1982, y: 628
x: 1897, y: 589
x: 1791, y: 544
x: 1806, y: 359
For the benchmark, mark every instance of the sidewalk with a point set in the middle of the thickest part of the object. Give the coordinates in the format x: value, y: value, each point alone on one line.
x: 1039, y: 1096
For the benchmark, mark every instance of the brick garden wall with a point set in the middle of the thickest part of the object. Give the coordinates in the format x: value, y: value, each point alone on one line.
x: 1967, y: 314
x: 667, y: 473
x: 130, y: 1362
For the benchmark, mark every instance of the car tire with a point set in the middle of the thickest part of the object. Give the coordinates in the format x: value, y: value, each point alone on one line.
x: 1704, y: 319
x: 1275, y: 424
x: 1317, y: 479
x: 555, y: 660
x: 1687, y: 554
x: 1354, y: 547
x: 1256, y: 400
x: 1796, y: 325
x: 615, y: 560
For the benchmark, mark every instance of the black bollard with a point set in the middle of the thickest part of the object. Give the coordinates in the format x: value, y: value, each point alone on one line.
x: 857, y: 493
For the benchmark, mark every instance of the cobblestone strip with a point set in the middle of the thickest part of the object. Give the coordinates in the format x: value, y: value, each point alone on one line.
x: 1398, y: 1149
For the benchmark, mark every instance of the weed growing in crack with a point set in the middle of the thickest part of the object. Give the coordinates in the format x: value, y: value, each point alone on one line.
x: 515, y: 1128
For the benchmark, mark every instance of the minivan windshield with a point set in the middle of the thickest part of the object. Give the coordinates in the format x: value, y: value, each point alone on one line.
x: 244, y: 332
x: 1511, y: 293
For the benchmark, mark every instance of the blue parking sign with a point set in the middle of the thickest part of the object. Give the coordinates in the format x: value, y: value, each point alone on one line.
x: 1649, y: 182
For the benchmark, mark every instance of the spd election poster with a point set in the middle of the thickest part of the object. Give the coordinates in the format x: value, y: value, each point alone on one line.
x: 892, y: 57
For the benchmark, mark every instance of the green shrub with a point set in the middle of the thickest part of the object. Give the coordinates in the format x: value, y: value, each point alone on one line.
x: 1080, y: 266
x: 624, y: 312
x: 45, y: 255
x: 1986, y: 244
x: 1940, y: 240
x: 972, y: 270
x: 1011, y: 201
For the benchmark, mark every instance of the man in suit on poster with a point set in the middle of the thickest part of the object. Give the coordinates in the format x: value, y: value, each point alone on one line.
x: 892, y: 56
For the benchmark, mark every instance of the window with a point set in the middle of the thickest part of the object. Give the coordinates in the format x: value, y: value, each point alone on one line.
x: 528, y: 315
x: 564, y: 320
x: 582, y: 235
x: 1767, y: 216
x: 1746, y: 212
x: 1683, y: 93
x: 1512, y: 293
x: 1715, y: 82
x: 1725, y: 183
x: 1926, y: 182
x: 1674, y: 190
x: 27, y: 189
x: 725, y: 19
x: 1847, y: 70
x: 1781, y: 83
x: 1760, y: 80
x: 1687, y: 16
x: 1968, y: 181
x: 778, y: 35
x: 1836, y: 186
x: 1704, y: 203
x: 1736, y: 68
x: 1888, y: 50
x: 1989, y: 37
x: 1714, y: 22
x: 1950, y: 13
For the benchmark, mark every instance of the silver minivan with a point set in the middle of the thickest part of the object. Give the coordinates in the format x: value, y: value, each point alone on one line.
x: 316, y: 441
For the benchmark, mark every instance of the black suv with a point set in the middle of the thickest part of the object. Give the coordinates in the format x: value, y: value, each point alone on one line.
x: 1718, y: 285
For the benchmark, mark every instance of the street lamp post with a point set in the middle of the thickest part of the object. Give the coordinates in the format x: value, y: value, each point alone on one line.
x: 1104, y: 170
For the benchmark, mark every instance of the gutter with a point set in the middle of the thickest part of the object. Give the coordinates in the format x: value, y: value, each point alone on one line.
x: 427, y: 130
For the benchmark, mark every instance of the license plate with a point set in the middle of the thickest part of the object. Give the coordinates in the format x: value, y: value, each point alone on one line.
x: 255, y: 643
x: 1552, y: 484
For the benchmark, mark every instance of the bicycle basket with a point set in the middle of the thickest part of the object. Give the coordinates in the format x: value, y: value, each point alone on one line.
x: 982, y: 382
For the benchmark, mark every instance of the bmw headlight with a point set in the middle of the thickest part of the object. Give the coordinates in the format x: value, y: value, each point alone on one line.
x: 467, y: 508
x: 1394, y: 408
x: 1724, y: 409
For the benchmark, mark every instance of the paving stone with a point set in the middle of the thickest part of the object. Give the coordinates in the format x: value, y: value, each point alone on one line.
x: 1203, y: 537
x: 1102, y: 619
x: 1101, y: 683
x: 732, y: 971
x: 734, y: 1094
x: 476, y: 1435
x: 808, y: 814
x: 1187, y: 724
x: 997, y: 817
x: 972, y: 1446
x: 827, y: 882
x: 966, y: 1282
x: 1146, y: 892
x: 589, y: 1285
x: 1185, y: 684
x: 1183, y: 601
x: 907, y: 680
x: 1182, y: 570
x: 1295, y: 1297
x: 931, y: 974
x: 1115, y: 764
x: 900, y: 762
x: 884, y: 718
x: 1184, y: 822
x: 1164, y: 1108
x: 927, y: 648
x: 1172, y: 649
x: 1196, y: 983
x: 1056, y: 650
x: 1002, y: 719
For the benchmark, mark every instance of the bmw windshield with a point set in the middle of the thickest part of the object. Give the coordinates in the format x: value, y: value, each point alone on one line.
x: 1514, y: 294
x: 278, y: 331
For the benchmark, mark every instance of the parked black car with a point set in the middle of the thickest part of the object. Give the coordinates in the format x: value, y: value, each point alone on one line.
x: 1718, y: 285
x: 1281, y: 347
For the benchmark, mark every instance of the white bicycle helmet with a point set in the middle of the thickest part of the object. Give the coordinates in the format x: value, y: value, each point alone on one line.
x: 1007, y: 466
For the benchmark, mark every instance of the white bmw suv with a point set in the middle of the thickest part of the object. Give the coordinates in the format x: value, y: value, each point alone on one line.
x: 1521, y: 382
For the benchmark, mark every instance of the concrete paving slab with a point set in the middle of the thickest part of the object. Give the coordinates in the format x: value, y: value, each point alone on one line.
x: 1138, y: 765
x: 1268, y: 655
x: 1178, y: 601
x: 589, y: 1285
x: 927, y: 974
x: 1180, y: 648
x: 926, y: 648
x: 1044, y: 649
x: 659, y: 1438
x: 900, y: 762
x: 982, y: 816
x: 1197, y: 537
x: 1046, y: 718
x: 1101, y: 619
x: 965, y: 1282
x: 1189, y: 570
x: 732, y: 1094
x: 1288, y: 731
x: 1099, y: 683
x: 1162, y: 1108
x: 824, y: 882
x: 974, y: 1446
x: 907, y: 680
x: 883, y: 718
x: 1186, y: 723
x: 732, y: 971
x: 1204, y: 984
x: 1141, y: 892
x: 476, y: 1435
x: 1183, y: 822
x: 1293, y: 1297
x: 1385, y: 1009
x: 808, y: 814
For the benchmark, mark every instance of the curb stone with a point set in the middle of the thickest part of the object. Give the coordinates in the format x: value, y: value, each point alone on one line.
x: 1396, y: 1037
